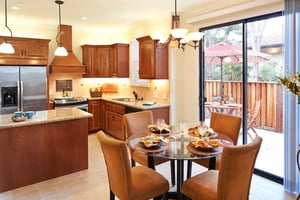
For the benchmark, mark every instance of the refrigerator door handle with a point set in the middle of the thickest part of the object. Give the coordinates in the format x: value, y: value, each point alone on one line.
x: 20, y: 95
x: 298, y: 164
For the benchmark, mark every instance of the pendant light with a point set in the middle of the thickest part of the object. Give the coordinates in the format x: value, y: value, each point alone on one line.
x: 180, y: 35
x: 6, y: 47
x: 60, y: 50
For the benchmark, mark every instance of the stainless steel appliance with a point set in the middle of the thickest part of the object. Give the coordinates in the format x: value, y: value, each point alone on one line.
x: 78, y: 102
x: 23, y: 88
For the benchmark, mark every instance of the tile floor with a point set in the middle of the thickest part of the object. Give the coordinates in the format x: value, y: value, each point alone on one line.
x: 92, y: 183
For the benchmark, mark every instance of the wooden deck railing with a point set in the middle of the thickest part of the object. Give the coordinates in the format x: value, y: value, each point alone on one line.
x: 269, y: 93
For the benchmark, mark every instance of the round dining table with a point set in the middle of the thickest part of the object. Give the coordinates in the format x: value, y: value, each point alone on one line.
x: 180, y: 149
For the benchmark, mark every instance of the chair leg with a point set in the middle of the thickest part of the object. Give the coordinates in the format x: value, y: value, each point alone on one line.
x: 159, y: 197
x: 189, y: 169
x: 172, y: 166
x: 132, y: 163
x: 112, y: 195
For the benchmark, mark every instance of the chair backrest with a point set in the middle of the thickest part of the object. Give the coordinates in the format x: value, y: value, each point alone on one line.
x: 136, y: 124
x: 254, y: 114
x: 236, y: 170
x: 228, y: 125
x: 117, y: 165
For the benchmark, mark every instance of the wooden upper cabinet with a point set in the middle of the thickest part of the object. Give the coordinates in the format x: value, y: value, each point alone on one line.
x: 119, y: 60
x: 106, y: 60
x: 153, y: 59
x: 28, y: 51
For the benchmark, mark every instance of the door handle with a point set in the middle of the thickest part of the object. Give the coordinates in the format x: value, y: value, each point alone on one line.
x: 298, y: 164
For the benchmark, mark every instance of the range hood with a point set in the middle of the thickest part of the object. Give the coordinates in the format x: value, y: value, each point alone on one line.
x: 66, y: 64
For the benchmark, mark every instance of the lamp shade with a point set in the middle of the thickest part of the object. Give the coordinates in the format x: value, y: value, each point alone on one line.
x: 178, y: 32
x: 5, y: 47
x: 60, y: 51
x: 195, y: 36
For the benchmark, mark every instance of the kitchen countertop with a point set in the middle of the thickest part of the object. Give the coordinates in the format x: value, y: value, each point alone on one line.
x: 134, y: 104
x: 45, y: 116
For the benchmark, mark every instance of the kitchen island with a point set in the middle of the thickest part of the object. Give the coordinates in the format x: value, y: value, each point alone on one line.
x: 51, y: 144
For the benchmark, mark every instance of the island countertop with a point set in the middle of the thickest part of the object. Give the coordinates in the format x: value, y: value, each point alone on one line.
x: 45, y: 116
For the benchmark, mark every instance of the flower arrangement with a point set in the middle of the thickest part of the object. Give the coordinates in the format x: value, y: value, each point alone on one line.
x: 292, y: 83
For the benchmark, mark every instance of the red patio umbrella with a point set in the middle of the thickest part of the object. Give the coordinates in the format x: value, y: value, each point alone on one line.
x: 233, y: 54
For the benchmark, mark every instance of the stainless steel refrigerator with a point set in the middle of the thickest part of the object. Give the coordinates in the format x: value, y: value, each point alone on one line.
x: 23, y: 88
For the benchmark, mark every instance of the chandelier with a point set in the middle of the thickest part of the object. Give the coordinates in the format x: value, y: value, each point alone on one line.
x: 60, y: 50
x: 6, y: 47
x: 177, y: 34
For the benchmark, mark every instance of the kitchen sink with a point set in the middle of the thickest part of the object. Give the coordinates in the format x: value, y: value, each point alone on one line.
x: 125, y: 99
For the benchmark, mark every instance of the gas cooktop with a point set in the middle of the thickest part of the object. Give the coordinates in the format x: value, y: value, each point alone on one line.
x: 69, y: 100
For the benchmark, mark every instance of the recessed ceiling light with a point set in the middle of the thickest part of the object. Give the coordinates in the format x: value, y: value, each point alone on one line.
x: 83, y: 18
x: 15, y: 7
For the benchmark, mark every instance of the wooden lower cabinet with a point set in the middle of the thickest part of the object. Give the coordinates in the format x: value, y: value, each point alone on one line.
x: 95, y: 109
x: 111, y: 118
x: 114, y: 120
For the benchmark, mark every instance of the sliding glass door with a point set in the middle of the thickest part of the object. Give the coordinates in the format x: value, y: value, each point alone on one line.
x: 241, y: 62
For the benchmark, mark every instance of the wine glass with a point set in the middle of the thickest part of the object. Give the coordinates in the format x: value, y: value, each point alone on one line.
x: 182, y: 125
x: 202, y: 128
x: 161, y: 124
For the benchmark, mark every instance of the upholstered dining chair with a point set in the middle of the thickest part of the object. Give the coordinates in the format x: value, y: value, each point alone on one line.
x: 125, y: 182
x: 136, y: 125
x: 226, y: 124
x: 232, y: 180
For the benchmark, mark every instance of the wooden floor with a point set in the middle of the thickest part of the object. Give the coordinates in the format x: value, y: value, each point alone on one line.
x: 92, y: 184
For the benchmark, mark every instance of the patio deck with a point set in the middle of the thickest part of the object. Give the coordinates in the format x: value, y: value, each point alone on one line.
x: 271, y: 155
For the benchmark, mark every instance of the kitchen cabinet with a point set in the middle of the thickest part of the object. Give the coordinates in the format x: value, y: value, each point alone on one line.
x: 153, y: 59
x: 106, y: 60
x: 114, y: 120
x: 28, y: 51
x: 119, y: 60
x: 96, y: 59
x: 95, y: 109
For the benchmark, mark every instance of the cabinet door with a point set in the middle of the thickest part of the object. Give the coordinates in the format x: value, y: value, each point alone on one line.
x: 114, y: 124
x: 36, y: 49
x: 119, y: 60
x: 146, y: 60
x: 102, y: 58
x: 94, y: 108
x: 88, y: 59
x: 28, y: 51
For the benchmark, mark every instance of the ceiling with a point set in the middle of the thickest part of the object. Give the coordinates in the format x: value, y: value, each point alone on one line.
x: 97, y: 12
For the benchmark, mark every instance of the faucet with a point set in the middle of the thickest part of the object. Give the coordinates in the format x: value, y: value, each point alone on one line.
x: 135, y: 95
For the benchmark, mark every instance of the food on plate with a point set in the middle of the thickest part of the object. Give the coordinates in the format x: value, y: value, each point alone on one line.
x: 154, y: 129
x: 203, y: 132
x: 215, y: 143
x: 151, y: 140
x: 200, y: 143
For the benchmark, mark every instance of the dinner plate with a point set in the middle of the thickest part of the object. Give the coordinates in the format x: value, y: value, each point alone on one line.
x: 154, y: 146
x: 211, y: 148
x: 155, y: 130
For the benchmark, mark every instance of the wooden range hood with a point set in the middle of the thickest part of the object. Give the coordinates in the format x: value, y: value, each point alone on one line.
x: 66, y: 64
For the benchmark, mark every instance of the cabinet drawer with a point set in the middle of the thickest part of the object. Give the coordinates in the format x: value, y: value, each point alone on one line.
x: 115, y: 108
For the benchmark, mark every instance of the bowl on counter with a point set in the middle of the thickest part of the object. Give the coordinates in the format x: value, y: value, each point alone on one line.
x: 29, y: 114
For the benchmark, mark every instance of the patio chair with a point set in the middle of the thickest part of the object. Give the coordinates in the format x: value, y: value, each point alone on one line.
x: 233, y: 179
x: 128, y: 183
x: 252, y: 117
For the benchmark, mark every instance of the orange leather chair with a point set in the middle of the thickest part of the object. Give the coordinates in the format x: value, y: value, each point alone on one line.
x: 233, y: 179
x: 136, y: 125
x: 226, y: 124
x: 137, y: 183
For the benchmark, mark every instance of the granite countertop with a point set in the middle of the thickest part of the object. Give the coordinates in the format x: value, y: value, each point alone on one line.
x: 134, y: 104
x: 45, y: 116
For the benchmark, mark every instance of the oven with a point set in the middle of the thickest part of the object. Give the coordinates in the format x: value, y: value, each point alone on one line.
x: 80, y: 103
